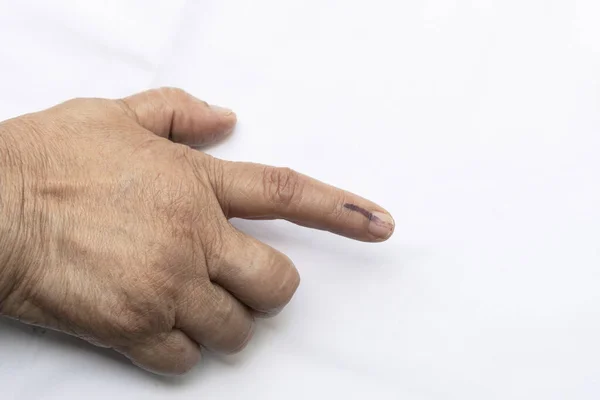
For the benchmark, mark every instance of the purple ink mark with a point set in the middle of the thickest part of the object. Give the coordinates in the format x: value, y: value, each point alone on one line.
x: 368, y: 215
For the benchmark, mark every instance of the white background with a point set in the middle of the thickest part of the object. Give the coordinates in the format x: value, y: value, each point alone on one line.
x: 476, y: 123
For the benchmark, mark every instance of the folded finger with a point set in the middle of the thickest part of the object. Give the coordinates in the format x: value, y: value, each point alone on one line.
x: 215, y: 319
x: 174, y: 114
x: 170, y: 353
x: 255, y: 273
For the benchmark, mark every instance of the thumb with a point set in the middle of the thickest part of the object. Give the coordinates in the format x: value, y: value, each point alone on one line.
x: 174, y: 114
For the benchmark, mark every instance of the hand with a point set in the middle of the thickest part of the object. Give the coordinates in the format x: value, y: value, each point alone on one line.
x: 113, y: 229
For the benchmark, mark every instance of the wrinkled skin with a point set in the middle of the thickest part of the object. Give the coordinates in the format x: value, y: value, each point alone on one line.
x: 113, y: 229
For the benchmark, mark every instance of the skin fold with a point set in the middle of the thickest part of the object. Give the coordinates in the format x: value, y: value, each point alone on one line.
x: 113, y: 229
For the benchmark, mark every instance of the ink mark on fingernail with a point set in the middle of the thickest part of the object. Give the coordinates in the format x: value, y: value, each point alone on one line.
x: 368, y: 215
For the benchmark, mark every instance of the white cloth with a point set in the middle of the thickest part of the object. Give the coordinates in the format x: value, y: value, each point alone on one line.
x: 475, y: 122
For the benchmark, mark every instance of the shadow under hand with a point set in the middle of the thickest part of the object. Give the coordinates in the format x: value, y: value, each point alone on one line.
x: 54, y: 339
x: 47, y: 338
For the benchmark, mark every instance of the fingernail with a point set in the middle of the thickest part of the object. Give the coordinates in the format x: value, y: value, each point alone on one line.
x: 226, y: 112
x: 381, y: 225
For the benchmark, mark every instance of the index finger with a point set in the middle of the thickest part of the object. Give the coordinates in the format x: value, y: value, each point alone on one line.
x: 254, y: 191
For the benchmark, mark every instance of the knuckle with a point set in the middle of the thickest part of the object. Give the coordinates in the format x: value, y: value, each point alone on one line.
x: 282, y: 185
x: 169, y: 195
x: 201, y: 168
x: 243, y: 339
x: 171, y: 91
x: 287, y: 280
x: 132, y: 324
x: 289, y: 285
x: 77, y: 101
x: 213, y: 169
x: 214, y: 253
x: 80, y: 108
x: 142, y: 313
x: 215, y: 177
x: 88, y: 103
x: 126, y: 108
x: 183, y: 154
x: 225, y: 311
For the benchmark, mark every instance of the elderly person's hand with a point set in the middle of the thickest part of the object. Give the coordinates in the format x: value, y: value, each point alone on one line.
x: 113, y: 229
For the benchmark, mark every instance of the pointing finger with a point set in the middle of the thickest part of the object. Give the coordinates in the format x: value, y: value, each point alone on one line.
x: 256, y: 191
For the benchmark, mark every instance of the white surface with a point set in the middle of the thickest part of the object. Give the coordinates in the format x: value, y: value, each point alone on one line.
x: 475, y: 122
